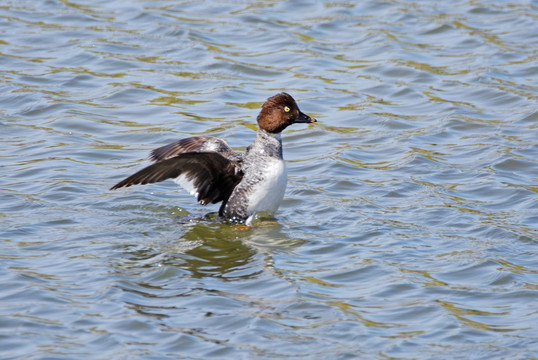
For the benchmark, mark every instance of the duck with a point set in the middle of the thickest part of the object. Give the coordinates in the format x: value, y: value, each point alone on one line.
x: 246, y: 184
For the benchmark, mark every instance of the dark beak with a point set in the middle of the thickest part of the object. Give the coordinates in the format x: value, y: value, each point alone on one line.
x: 303, y: 118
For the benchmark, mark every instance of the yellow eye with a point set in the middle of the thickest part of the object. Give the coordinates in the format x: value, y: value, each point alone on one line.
x: 286, y: 109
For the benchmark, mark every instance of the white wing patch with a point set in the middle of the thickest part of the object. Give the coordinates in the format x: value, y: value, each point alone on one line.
x: 212, y: 145
x: 186, y: 184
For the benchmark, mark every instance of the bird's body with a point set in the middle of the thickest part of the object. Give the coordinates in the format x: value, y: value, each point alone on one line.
x: 246, y: 183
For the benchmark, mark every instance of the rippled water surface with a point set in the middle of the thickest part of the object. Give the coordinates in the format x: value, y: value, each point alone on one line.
x: 409, y: 228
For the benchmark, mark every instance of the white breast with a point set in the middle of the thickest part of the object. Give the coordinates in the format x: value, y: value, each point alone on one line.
x: 267, y: 195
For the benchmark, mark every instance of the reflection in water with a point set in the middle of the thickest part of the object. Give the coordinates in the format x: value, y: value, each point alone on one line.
x: 152, y: 279
x: 221, y: 251
x: 215, y: 249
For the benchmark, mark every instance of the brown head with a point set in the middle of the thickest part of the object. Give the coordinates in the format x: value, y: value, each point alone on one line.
x: 279, y: 112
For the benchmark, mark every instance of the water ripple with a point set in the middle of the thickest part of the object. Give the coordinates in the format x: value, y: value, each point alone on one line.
x: 408, y: 229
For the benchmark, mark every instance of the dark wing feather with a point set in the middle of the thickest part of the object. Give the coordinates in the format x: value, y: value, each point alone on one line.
x: 195, y: 144
x: 212, y: 176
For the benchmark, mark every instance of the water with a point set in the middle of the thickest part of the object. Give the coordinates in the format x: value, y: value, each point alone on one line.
x: 409, y: 226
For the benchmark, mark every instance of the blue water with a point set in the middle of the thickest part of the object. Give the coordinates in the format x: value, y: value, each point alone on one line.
x: 409, y: 228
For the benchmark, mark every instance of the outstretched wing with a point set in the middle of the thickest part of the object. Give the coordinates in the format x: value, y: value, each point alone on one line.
x: 209, y: 176
x: 195, y: 144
